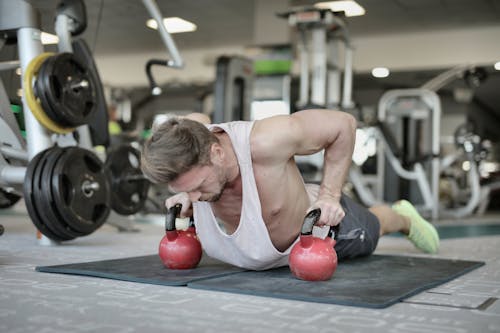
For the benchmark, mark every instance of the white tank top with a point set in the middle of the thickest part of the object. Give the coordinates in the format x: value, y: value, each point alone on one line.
x: 249, y: 246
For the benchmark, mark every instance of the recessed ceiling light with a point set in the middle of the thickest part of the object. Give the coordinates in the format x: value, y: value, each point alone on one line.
x: 380, y: 72
x: 173, y: 25
x: 497, y: 66
x: 349, y: 7
x: 48, y: 38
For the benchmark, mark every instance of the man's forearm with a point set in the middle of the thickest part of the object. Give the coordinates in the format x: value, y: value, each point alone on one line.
x: 337, y: 160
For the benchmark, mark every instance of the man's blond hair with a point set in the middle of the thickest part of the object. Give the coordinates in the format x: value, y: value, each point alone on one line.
x: 175, y: 147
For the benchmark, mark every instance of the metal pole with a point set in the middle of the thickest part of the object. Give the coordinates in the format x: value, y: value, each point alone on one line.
x: 154, y: 11
x: 12, y: 174
x: 333, y: 86
x: 62, y: 30
x: 7, y: 65
x: 304, y: 70
x: 347, y: 91
x: 318, y: 93
x: 30, y: 45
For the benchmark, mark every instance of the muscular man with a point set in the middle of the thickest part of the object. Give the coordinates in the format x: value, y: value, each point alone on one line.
x: 248, y: 197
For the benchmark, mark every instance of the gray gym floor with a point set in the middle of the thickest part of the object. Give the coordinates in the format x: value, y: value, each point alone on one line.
x: 43, y: 303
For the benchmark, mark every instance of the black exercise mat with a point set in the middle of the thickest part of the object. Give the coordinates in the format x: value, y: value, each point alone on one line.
x: 376, y: 281
x: 144, y: 269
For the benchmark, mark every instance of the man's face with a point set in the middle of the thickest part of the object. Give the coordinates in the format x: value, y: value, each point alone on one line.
x: 201, y: 183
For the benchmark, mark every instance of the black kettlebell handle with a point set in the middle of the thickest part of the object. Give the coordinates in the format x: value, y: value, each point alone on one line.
x: 310, y: 220
x: 172, y: 214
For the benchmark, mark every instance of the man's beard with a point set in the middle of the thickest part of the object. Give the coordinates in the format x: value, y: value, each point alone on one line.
x: 218, y: 195
x: 215, y: 197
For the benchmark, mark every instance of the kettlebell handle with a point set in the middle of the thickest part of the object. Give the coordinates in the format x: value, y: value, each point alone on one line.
x: 310, y: 220
x: 172, y: 213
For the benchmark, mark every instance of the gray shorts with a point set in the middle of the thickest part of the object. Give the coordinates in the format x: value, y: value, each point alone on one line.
x: 359, y: 230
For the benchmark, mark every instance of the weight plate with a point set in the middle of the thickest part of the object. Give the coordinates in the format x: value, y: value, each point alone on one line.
x: 70, y: 90
x: 129, y: 187
x: 38, y: 194
x: 28, y: 194
x: 45, y: 201
x: 8, y: 199
x: 42, y: 86
x: 38, y: 87
x: 33, y: 103
x: 80, y: 188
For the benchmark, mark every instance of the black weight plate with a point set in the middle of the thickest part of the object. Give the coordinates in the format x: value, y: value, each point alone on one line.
x: 45, y: 201
x: 28, y: 195
x: 8, y: 199
x: 38, y: 193
x: 47, y: 90
x: 84, y: 211
x: 128, y: 191
x: 39, y: 87
x: 42, y: 85
x: 75, y: 104
x: 98, y: 123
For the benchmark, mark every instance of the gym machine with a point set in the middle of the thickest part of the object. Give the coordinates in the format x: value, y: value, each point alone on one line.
x: 409, y: 163
x: 463, y: 191
x: 410, y: 120
x: 322, y: 34
x: 69, y: 192
x: 233, y: 89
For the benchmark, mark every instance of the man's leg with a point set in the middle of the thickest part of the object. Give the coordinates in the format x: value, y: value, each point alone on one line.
x: 390, y: 221
x: 403, y: 217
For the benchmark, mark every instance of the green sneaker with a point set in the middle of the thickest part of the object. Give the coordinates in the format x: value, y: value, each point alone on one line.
x: 422, y: 233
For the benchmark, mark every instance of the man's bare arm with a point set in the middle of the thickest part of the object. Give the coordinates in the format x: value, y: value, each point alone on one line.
x: 307, y: 132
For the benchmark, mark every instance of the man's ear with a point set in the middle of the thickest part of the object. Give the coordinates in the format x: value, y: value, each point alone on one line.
x: 217, y: 154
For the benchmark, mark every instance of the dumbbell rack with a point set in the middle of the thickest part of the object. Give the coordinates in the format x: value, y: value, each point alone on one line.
x: 38, y: 148
x: 28, y: 33
x: 27, y: 26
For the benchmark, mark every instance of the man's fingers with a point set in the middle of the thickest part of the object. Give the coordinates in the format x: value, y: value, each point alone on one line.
x: 330, y: 217
x: 186, y: 211
x: 183, y: 199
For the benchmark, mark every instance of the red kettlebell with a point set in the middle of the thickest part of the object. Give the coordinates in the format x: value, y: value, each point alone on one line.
x: 313, y: 258
x: 179, y: 249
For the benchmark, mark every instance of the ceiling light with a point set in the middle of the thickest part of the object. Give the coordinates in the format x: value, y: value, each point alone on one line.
x: 48, y: 38
x: 173, y: 25
x: 349, y: 7
x: 497, y: 66
x: 380, y: 72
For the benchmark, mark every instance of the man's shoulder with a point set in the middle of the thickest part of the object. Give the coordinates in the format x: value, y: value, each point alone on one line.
x: 269, y: 141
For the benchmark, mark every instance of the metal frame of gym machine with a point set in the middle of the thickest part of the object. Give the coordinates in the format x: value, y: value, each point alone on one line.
x: 328, y: 34
x: 425, y: 173
x: 26, y: 27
